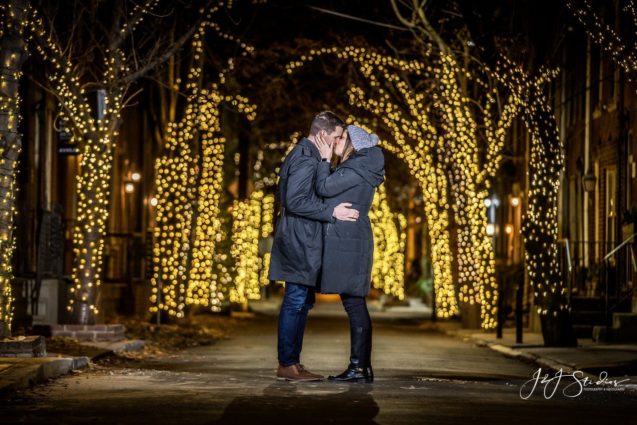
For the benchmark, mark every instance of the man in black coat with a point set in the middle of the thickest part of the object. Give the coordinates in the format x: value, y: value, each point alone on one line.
x: 298, y: 241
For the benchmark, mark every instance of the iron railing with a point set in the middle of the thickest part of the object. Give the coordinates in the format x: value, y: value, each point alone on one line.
x: 600, y: 269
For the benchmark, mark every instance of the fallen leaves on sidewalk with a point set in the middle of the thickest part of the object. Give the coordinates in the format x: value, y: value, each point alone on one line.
x: 70, y: 347
x: 193, y: 332
x: 200, y: 330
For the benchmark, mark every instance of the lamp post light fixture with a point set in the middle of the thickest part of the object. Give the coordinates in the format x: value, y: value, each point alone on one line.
x: 589, y: 180
x: 515, y: 201
x: 491, y: 204
x: 130, y: 182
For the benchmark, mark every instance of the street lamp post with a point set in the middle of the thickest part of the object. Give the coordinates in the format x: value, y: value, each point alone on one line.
x: 589, y: 181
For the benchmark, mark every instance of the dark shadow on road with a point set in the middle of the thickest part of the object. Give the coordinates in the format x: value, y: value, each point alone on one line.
x: 301, y: 403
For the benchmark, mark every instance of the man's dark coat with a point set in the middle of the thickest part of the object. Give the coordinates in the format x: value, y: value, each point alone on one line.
x: 298, y: 241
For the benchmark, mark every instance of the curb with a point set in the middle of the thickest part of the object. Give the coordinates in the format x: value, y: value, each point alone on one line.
x: 25, y: 372
x: 36, y: 370
x: 543, y: 362
x: 114, y: 348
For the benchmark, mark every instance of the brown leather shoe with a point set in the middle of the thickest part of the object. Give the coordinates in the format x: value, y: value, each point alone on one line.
x: 294, y: 373
x: 304, y: 370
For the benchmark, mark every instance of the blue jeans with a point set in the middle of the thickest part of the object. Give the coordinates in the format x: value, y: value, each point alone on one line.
x: 297, y: 302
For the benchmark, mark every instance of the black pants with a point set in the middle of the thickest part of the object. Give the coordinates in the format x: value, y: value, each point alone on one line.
x: 360, y: 324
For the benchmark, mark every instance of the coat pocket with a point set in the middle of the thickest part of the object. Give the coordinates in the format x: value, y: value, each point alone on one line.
x: 339, y: 244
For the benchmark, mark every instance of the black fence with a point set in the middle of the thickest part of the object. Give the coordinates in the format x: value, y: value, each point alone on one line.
x: 600, y: 270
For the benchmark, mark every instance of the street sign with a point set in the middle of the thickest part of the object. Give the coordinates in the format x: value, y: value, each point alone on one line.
x: 66, y: 148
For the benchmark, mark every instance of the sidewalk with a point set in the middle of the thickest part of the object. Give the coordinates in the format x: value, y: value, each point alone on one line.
x: 23, y: 372
x: 619, y: 361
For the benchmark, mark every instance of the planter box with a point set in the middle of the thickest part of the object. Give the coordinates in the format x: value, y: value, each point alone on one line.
x: 28, y: 346
x: 113, y: 332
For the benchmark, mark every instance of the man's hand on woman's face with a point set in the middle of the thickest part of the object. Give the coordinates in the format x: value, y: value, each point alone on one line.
x: 343, y: 212
x: 326, y: 149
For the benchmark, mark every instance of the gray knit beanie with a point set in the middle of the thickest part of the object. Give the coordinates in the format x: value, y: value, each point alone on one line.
x: 361, y: 139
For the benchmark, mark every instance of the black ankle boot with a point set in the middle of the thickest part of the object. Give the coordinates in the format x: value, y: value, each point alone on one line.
x: 353, y: 373
x: 359, y: 369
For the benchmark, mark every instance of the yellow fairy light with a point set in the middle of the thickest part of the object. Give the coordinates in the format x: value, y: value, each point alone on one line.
x: 433, y: 184
x: 12, y: 30
x: 188, y: 267
x: 96, y: 139
x: 605, y: 35
x: 262, y: 181
x: 267, y: 215
x: 246, y: 230
x: 389, y: 246
x: 443, y: 157
x: 545, y: 164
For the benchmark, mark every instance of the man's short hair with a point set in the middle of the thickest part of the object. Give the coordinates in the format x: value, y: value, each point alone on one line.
x: 327, y: 121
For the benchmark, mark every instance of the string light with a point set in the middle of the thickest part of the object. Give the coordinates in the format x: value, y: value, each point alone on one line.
x: 443, y: 157
x: 389, y: 246
x: 605, y: 35
x: 267, y: 229
x: 12, y: 29
x: 246, y: 231
x: 95, y: 138
x: 414, y: 140
x: 188, y: 269
x: 545, y: 164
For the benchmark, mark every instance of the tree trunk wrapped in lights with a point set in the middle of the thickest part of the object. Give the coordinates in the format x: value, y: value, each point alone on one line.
x: 433, y: 183
x: 267, y: 229
x: 476, y: 261
x: 539, y: 222
x: 13, y: 52
x: 246, y: 230
x: 185, y: 272
x: 389, y: 246
x: 414, y: 140
x: 119, y: 63
x: 444, y: 157
x: 539, y: 228
x: 188, y: 268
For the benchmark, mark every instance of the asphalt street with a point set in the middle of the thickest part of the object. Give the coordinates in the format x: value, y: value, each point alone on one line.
x: 422, y: 377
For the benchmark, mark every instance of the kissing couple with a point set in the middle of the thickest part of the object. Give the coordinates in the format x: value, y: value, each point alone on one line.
x: 323, y: 239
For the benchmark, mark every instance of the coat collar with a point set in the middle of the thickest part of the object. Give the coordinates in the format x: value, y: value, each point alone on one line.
x: 308, y: 143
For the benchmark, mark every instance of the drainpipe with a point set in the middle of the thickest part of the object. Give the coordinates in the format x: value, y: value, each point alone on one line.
x: 562, y: 200
x: 587, y: 140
